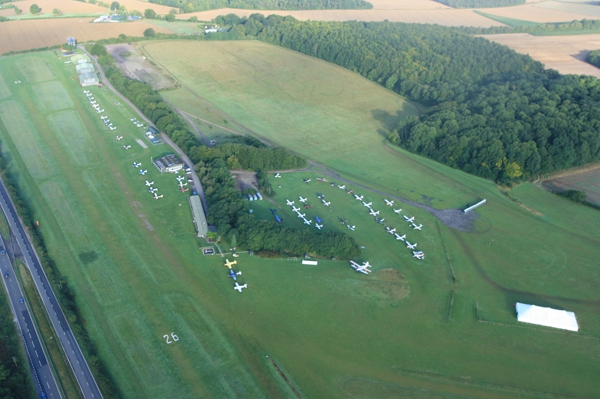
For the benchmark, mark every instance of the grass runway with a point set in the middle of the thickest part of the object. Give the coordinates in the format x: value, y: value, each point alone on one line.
x: 407, y: 329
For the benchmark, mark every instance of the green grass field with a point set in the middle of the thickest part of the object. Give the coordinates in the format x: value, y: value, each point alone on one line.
x: 407, y: 330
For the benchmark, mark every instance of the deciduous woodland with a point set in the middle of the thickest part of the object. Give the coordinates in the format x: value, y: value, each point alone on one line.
x: 201, y: 5
x: 494, y: 113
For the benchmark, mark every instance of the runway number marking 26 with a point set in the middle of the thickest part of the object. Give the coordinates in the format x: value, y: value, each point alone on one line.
x: 173, y: 336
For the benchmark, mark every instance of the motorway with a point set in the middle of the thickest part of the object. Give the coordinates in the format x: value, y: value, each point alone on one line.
x: 43, y: 379
x: 79, y: 365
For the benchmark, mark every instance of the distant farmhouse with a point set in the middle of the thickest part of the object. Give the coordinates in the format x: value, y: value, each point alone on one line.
x: 169, y: 163
x: 117, y: 18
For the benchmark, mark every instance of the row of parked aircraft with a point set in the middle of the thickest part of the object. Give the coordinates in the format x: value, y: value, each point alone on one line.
x: 233, y: 274
x: 136, y: 122
x: 152, y: 190
x: 96, y: 106
x: 318, y: 221
x: 180, y: 180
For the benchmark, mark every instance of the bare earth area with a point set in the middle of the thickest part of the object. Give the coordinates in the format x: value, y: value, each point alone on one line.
x: 566, y: 54
x: 32, y: 34
x: 441, y: 16
x: 137, y: 67
x: 66, y: 6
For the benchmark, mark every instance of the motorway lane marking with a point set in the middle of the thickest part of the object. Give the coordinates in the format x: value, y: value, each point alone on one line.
x: 36, y: 354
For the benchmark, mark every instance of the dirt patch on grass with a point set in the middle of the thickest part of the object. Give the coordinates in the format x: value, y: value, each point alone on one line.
x: 390, y: 283
x: 136, y: 66
x: 244, y: 180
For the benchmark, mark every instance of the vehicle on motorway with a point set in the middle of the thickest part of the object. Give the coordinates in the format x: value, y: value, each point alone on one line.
x: 6, y: 275
x: 21, y: 300
x: 3, y: 250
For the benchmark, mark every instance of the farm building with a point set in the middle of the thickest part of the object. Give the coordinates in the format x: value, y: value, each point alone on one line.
x: 169, y: 163
x: 546, y: 317
x: 84, y: 67
x: 198, y: 215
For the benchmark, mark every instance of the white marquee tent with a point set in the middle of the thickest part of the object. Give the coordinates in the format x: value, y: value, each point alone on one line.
x: 546, y: 317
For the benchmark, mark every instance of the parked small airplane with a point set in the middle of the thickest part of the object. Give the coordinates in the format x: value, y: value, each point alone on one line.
x: 343, y: 187
x: 301, y: 215
x: 398, y: 210
x: 180, y: 178
x: 419, y: 255
x: 308, y: 222
x: 112, y: 128
x: 149, y: 183
x: 364, y: 268
x: 143, y: 172
x: 127, y: 147
x: 240, y: 287
x: 320, y: 196
x: 351, y: 227
x: 103, y: 117
x: 183, y: 190
x: 417, y: 227
x: 152, y: 190
x: 389, y: 203
x: 318, y: 226
x: 133, y: 119
x: 156, y: 196
x: 288, y: 202
x: 228, y: 264
x: 232, y: 274
x: 399, y: 237
x: 367, y: 205
x: 318, y: 219
x: 380, y: 221
x: 307, y: 180
x: 139, y: 124
x: 277, y: 175
x: 409, y: 219
x: 295, y: 209
x: 358, y: 197
x: 373, y: 213
x: 100, y: 111
x: 303, y: 200
x: 118, y: 138
x: 411, y: 246
x: 326, y: 203
x: 137, y: 164
x: 391, y: 231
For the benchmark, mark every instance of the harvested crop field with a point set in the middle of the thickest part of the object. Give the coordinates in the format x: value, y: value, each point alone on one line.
x: 407, y: 5
x: 447, y: 17
x: 66, y: 6
x: 537, y: 13
x: 31, y: 34
x: 588, y: 181
x: 566, y: 54
x: 143, y: 5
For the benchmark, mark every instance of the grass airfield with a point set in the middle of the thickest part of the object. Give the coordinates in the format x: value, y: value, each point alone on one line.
x: 407, y: 330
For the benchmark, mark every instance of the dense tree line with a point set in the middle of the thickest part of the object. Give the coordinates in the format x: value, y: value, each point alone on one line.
x: 495, y: 113
x: 14, y: 380
x: 65, y: 297
x: 226, y: 207
x: 201, y: 5
x: 481, y: 3
x: 553, y: 28
x: 594, y: 58
x: 230, y: 213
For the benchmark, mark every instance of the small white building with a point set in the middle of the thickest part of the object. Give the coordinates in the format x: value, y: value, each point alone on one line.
x: 546, y: 317
x: 169, y: 163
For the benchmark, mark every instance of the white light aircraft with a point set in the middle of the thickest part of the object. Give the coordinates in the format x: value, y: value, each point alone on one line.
x: 156, y: 196
x: 419, y: 255
x: 411, y: 246
x: 373, y: 213
x: 318, y: 226
x: 303, y: 200
x: 127, y: 147
x: 389, y: 203
x: 399, y: 237
x: 308, y: 222
x: 417, y: 227
x: 343, y: 187
x: 137, y: 164
x: 326, y: 203
x: 409, y: 219
x: 112, y: 128
x: 358, y: 197
x: 295, y: 209
x: 288, y: 202
x: 180, y: 178
x: 118, y: 138
x: 103, y: 117
x: 149, y: 183
x: 367, y: 205
x: 277, y: 175
x: 301, y: 215
x: 139, y: 124
x: 100, y: 111
x: 398, y: 210
x: 351, y: 227
x: 364, y: 268
x: 143, y: 172
x: 391, y: 231
x: 307, y: 180
x: 240, y: 287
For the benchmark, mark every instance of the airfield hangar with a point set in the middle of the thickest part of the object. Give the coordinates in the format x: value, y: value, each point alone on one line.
x: 169, y: 163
